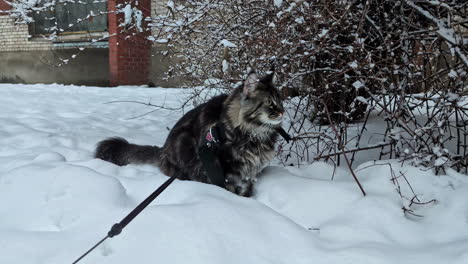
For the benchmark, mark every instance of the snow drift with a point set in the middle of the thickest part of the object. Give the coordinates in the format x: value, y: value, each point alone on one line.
x: 56, y: 200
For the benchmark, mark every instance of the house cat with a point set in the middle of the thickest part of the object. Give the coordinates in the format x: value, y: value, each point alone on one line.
x: 249, y: 116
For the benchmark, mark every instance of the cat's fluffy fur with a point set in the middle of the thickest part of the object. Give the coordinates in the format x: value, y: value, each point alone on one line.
x: 250, y: 115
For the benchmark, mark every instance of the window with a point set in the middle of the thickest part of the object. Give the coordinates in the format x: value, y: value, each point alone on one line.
x: 71, y: 17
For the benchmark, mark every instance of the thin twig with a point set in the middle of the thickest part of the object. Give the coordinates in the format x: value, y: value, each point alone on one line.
x: 352, y: 151
x: 340, y: 146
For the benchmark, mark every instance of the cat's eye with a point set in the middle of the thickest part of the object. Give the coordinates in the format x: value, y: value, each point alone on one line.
x: 269, y: 102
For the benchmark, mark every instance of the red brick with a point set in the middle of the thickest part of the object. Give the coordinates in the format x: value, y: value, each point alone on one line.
x: 4, y: 7
x: 129, y: 58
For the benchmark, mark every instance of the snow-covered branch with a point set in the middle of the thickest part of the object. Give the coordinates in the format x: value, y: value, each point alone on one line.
x: 453, y: 39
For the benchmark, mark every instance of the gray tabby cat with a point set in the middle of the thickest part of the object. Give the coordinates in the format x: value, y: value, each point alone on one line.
x: 250, y: 117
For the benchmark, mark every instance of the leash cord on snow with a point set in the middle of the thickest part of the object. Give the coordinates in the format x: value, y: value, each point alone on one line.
x: 91, y: 249
x: 118, y: 227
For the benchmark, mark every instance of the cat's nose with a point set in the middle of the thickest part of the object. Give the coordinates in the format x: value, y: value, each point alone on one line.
x: 277, y: 115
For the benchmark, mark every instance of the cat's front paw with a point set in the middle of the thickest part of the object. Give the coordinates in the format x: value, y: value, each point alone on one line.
x: 241, y: 188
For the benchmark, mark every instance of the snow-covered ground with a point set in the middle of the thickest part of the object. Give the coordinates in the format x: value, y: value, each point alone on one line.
x: 56, y: 201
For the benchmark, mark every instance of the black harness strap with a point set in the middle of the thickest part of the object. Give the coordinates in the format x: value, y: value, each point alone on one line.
x: 284, y: 134
x: 209, y: 153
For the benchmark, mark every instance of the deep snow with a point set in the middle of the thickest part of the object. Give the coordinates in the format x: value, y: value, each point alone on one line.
x: 56, y: 201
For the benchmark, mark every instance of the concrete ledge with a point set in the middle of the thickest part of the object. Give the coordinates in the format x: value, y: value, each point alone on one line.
x: 90, y: 67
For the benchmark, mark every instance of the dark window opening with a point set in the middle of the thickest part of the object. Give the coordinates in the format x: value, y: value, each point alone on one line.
x: 71, y: 17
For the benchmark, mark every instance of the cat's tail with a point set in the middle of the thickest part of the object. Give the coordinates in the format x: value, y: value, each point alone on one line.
x: 120, y: 152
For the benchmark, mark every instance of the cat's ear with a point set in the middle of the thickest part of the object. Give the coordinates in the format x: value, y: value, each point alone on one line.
x: 269, y: 78
x: 250, y: 83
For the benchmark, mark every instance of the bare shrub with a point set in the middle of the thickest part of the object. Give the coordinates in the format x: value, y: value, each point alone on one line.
x: 400, y: 63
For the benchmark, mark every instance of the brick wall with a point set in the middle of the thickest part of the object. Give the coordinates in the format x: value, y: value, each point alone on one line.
x: 15, y: 37
x: 129, y: 51
x: 4, y: 7
x: 129, y: 61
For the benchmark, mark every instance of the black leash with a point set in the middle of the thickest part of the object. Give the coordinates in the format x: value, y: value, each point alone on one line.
x: 118, y: 227
x: 212, y: 167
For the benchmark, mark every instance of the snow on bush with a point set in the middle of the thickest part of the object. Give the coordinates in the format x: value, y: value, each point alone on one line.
x: 340, y: 63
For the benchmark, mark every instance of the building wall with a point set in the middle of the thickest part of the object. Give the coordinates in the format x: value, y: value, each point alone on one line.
x: 4, y: 6
x: 34, y: 60
x: 24, y: 59
x: 161, y: 64
x: 89, y: 68
x: 16, y: 37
